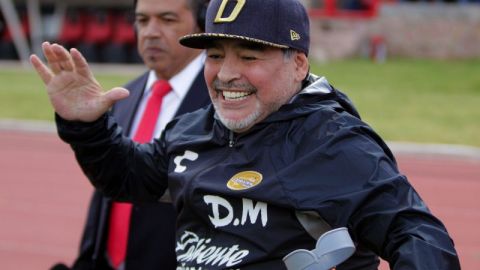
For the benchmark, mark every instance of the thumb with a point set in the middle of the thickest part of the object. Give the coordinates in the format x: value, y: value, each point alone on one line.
x: 114, y: 95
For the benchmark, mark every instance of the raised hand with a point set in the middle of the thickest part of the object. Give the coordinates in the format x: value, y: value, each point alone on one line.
x: 74, y: 92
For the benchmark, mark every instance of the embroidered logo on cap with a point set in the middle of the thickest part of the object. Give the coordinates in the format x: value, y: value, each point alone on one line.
x: 294, y: 35
x: 244, y: 180
x: 233, y: 15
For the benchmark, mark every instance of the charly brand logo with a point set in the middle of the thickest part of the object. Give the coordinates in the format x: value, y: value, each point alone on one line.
x: 294, y: 35
x: 244, y: 180
x: 233, y: 15
x: 179, y: 168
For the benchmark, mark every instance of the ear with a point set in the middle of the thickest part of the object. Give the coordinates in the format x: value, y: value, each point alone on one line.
x: 301, y: 66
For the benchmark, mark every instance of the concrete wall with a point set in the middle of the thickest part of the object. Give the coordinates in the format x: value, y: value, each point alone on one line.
x: 425, y: 30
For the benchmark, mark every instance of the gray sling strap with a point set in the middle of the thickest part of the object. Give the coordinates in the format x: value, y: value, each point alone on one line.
x: 332, y: 248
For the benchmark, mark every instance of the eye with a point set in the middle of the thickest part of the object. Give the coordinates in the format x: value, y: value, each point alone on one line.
x: 249, y: 57
x: 169, y: 18
x: 214, y: 54
x: 141, y: 20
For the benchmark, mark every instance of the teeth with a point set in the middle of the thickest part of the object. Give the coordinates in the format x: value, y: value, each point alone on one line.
x: 235, y: 95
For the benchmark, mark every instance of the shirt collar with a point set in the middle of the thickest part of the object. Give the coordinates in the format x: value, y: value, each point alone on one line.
x: 183, y: 80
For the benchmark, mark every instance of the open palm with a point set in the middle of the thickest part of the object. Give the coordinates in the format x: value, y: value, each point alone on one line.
x: 73, y: 91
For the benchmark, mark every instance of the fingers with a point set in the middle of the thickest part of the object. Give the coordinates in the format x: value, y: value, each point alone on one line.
x: 41, y: 68
x: 63, y: 55
x: 51, y: 58
x: 80, y: 63
x: 58, y: 58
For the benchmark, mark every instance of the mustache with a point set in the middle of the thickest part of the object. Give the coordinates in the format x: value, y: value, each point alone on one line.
x: 155, y: 43
x: 219, y: 85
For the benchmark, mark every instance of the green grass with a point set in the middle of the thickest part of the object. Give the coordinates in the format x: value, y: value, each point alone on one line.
x: 403, y: 99
x: 23, y: 94
x: 413, y: 100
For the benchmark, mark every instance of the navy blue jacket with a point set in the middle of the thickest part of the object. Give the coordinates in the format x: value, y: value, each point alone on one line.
x: 151, y: 243
x: 244, y: 201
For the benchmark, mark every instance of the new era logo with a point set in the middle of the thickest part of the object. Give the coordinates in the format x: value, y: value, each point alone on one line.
x: 294, y: 35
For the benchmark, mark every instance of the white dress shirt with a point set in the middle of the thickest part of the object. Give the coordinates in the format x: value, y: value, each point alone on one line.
x: 180, y: 83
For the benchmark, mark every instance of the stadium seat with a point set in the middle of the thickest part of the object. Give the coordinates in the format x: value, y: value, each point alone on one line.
x: 118, y: 50
x: 73, y: 28
x: 7, y: 46
x: 98, y: 32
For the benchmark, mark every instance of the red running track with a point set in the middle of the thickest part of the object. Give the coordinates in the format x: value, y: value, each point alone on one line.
x: 44, y: 199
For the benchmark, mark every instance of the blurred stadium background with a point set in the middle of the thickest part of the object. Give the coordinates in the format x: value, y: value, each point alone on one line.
x: 102, y: 29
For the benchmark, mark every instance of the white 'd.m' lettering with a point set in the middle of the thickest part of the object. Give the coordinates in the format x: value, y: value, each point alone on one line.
x: 179, y: 168
x: 249, y: 210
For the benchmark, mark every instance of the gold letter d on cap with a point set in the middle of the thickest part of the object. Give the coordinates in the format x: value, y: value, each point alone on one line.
x: 233, y: 15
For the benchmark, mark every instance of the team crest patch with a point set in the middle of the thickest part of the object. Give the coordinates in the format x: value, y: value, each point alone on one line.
x: 244, y: 180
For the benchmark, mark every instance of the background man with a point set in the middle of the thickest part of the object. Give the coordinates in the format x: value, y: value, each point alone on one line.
x: 278, y: 158
x: 151, y: 227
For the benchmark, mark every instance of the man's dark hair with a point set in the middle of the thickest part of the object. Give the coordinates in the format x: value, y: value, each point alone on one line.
x: 198, y: 7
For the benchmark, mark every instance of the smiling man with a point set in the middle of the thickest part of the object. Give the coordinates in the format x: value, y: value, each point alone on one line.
x: 279, y: 158
x: 239, y: 74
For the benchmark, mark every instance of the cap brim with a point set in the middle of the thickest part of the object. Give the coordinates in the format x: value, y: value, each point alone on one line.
x: 201, y: 40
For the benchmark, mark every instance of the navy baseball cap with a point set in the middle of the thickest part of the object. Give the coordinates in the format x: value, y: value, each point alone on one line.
x: 276, y: 23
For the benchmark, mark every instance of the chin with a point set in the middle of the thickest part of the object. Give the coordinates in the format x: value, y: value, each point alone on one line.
x: 240, y: 125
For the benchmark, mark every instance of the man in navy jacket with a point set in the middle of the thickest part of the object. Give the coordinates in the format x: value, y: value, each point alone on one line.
x: 277, y: 159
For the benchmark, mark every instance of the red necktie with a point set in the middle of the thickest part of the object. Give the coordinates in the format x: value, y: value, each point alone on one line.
x: 120, y: 212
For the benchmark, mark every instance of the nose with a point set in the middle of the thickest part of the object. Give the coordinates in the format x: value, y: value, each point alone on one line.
x: 229, y: 70
x: 153, y: 28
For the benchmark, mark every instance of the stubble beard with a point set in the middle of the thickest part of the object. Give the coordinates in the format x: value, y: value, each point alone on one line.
x: 239, y: 125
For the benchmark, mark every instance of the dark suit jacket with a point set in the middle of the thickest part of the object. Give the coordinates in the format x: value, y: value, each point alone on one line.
x: 151, y: 243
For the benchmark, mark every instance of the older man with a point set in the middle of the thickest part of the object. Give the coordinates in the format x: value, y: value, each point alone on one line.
x: 279, y: 158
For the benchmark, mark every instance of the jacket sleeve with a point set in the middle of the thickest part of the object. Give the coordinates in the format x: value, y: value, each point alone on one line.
x: 360, y: 187
x: 394, y: 221
x: 114, y: 164
x: 388, y: 215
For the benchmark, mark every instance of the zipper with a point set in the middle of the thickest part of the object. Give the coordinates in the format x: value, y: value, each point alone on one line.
x: 231, y: 139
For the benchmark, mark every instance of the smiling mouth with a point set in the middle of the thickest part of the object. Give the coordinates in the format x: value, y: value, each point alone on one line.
x: 235, y: 95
